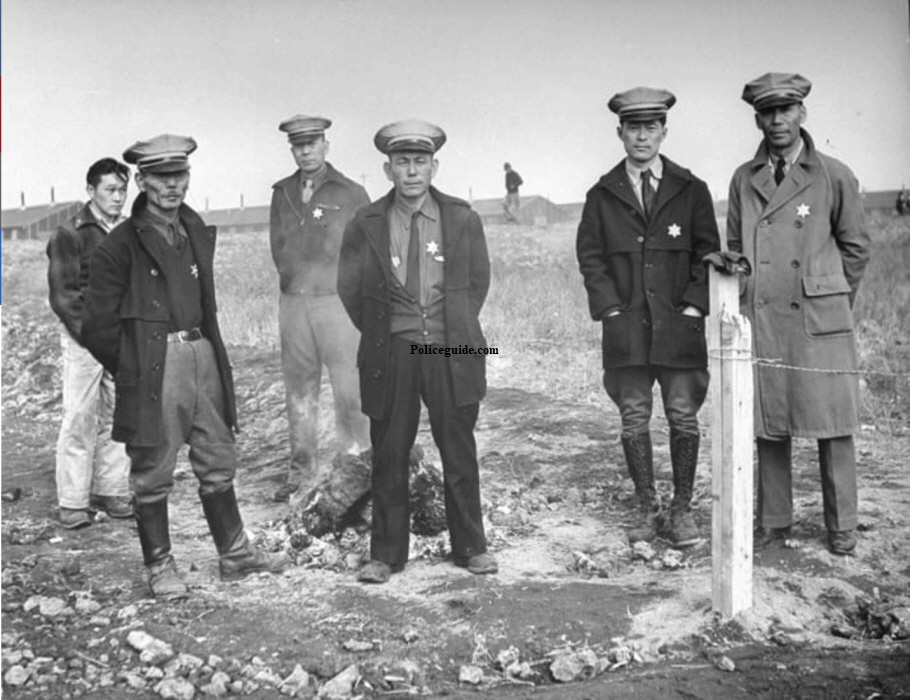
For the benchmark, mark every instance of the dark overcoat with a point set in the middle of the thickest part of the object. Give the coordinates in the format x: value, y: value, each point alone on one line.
x: 364, y: 276
x: 809, y: 247
x: 649, y: 270
x: 125, y: 322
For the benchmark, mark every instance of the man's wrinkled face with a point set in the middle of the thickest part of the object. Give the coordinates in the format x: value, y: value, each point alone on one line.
x: 109, y: 195
x: 780, y: 125
x: 310, y: 155
x: 642, y: 140
x: 411, y: 172
x: 165, y: 191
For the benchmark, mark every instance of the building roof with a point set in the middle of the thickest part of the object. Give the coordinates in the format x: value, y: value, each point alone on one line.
x: 248, y: 216
x: 14, y: 218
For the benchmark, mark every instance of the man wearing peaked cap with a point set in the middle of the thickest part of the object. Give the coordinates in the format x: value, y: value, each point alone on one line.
x: 149, y: 318
x: 310, y: 209
x: 413, y: 276
x: 645, y: 227
x: 799, y: 213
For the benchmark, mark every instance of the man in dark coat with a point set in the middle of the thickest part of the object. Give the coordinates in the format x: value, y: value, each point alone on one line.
x: 413, y: 276
x: 645, y: 227
x: 512, y: 203
x: 310, y: 209
x: 797, y: 214
x: 149, y: 318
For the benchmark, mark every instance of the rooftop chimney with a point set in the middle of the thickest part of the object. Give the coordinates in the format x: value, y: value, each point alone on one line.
x: 52, y: 194
x: 22, y: 198
x: 241, y: 202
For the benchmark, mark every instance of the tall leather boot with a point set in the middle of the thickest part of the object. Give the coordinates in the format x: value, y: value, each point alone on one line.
x: 154, y: 536
x: 640, y: 462
x: 684, y: 458
x: 237, y: 556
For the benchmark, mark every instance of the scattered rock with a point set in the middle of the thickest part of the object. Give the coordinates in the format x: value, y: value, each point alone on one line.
x: 296, y: 682
x: 151, y: 651
x: 86, y: 605
x: 341, y: 687
x: 16, y: 676
x: 724, y: 663
x: 643, y: 551
x: 357, y: 645
x: 570, y: 666
x: 176, y: 689
x: 672, y: 559
x: 470, y: 674
x: 410, y: 635
x: 507, y: 657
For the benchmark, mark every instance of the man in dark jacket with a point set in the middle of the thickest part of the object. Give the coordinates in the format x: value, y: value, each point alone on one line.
x: 413, y: 276
x: 512, y: 203
x: 92, y: 470
x: 645, y: 227
x: 310, y: 210
x: 149, y: 318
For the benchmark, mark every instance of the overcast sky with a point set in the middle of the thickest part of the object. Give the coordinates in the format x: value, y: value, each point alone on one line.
x: 525, y: 81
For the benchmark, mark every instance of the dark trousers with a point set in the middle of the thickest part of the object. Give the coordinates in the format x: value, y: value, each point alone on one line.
x: 415, y: 377
x: 192, y: 409
x: 837, y: 464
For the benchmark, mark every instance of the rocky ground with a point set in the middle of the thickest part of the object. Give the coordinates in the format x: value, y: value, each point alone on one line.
x: 574, y: 612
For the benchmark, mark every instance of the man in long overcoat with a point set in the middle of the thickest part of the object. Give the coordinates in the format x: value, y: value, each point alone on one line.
x: 645, y: 227
x: 310, y: 209
x: 797, y: 215
x: 150, y: 319
x: 413, y: 276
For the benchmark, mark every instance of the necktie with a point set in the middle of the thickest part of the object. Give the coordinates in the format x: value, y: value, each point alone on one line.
x: 412, y: 280
x: 779, y: 172
x: 647, y: 193
x: 307, y: 191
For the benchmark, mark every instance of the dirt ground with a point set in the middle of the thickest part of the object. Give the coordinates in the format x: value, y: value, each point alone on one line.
x: 555, y: 498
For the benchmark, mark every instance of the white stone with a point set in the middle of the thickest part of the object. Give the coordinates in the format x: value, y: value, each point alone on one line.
x: 470, y: 674
x: 341, y: 686
x: 296, y: 681
x: 16, y: 676
x: 176, y: 689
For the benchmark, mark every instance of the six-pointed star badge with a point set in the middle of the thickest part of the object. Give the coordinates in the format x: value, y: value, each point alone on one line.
x: 802, y: 211
x: 673, y: 231
x: 317, y: 213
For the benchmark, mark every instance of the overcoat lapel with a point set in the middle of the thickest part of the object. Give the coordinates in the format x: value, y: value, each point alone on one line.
x: 617, y: 183
x: 376, y: 228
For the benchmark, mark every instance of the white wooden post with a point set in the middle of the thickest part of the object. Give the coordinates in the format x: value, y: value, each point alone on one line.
x: 730, y: 354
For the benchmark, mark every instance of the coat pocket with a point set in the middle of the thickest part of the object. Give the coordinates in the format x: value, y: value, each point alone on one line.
x: 686, y: 340
x: 617, y: 337
x: 827, y: 306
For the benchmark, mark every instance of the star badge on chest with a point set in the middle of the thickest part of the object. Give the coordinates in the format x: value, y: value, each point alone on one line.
x: 317, y: 213
x: 802, y: 211
x: 432, y: 247
x: 674, y: 231
x: 194, y: 271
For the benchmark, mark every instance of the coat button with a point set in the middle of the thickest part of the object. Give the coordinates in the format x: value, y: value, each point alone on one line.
x: 153, y: 272
x: 156, y: 367
x: 378, y: 343
x: 377, y: 374
x: 794, y: 264
x: 759, y: 304
x: 640, y: 239
x: 795, y: 306
x: 153, y: 397
x: 763, y: 223
x: 798, y: 224
x: 156, y: 304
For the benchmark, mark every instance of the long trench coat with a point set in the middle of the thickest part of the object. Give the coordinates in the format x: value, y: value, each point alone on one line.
x: 648, y: 269
x: 125, y: 322
x: 809, y: 247
x: 365, y: 275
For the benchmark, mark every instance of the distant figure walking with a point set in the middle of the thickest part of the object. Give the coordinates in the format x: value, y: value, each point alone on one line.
x: 903, y: 202
x: 511, y: 203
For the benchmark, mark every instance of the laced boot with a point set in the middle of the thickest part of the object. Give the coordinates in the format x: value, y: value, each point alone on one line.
x: 640, y: 462
x: 237, y: 556
x: 684, y: 457
x: 154, y: 536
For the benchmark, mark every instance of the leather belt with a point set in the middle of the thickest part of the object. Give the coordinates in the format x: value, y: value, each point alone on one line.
x: 184, y: 336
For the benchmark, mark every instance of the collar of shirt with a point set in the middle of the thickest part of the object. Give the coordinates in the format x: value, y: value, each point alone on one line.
x: 161, y: 225
x: 634, y: 172
x: 790, y: 160
x: 318, y: 179
x: 403, y: 212
x: 102, y: 219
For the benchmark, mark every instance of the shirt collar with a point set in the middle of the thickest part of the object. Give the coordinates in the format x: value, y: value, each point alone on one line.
x: 429, y: 208
x: 791, y: 159
x: 100, y: 218
x: 318, y: 179
x: 634, y: 171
